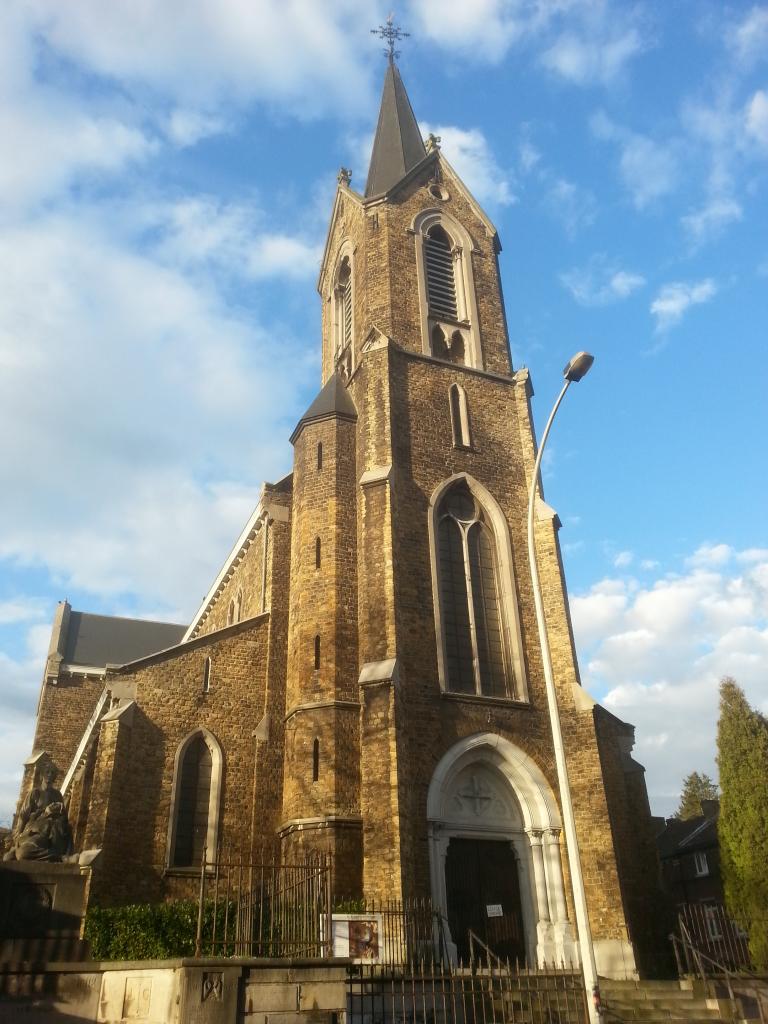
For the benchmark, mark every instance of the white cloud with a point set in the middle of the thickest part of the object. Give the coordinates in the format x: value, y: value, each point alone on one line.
x: 674, y: 300
x: 484, y: 28
x: 714, y: 555
x: 749, y: 38
x: 753, y: 555
x: 142, y: 337
x: 186, y: 127
x: 655, y: 654
x: 757, y: 117
x: 21, y: 609
x: 468, y: 151
x: 712, y: 219
x: 649, y: 563
x: 298, y: 53
x: 200, y: 231
x: 649, y: 169
x: 600, y: 283
x: 575, y: 207
x: 586, y: 58
x: 623, y: 559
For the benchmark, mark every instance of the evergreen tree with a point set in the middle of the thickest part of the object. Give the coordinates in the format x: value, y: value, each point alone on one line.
x: 742, y: 745
x: 695, y: 789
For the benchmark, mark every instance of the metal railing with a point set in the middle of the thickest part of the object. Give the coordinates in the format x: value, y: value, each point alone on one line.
x: 692, y: 961
x: 264, y: 909
x: 711, y: 929
x: 503, y: 994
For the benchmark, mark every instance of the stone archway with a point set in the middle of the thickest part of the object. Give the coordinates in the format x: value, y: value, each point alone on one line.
x: 486, y: 788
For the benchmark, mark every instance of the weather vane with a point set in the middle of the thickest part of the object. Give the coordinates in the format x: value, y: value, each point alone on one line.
x: 391, y: 33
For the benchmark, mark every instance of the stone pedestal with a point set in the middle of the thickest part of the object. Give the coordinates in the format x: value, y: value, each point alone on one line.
x: 42, y: 908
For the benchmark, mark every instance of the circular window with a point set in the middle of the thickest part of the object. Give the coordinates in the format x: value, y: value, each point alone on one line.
x: 438, y: 191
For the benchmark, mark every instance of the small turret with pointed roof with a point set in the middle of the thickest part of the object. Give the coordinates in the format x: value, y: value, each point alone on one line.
x: 333, y: 400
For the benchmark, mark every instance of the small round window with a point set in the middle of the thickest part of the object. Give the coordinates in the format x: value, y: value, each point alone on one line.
x: 438, y: 191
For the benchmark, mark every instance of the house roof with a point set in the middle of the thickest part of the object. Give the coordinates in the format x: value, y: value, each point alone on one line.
x: 679, y: 837
x: 398, y: 146
x: 95, y: 641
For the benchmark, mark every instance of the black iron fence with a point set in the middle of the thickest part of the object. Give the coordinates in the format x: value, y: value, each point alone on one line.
x: 711, y: 930
x: 474, y: 994
x: 402, y: 967
x: 265, y: 909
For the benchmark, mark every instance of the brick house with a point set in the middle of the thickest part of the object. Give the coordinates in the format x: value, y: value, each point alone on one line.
x: 364, y: 675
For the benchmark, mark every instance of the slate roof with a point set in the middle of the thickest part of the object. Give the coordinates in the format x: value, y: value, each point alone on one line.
x: 398, y: 145
x: 699, y: 833
x: 99, y: 640
x: 333, y: 400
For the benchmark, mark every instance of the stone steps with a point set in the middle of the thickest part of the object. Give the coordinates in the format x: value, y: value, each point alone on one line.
x: 657, y: 1002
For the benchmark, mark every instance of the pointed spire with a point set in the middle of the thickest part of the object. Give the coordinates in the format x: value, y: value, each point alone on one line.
x: 398, y: 145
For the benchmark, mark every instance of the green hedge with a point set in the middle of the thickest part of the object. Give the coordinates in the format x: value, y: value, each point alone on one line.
x: 155, y: 931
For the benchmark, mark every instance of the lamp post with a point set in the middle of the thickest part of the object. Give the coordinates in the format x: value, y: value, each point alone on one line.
x: 574, y: 371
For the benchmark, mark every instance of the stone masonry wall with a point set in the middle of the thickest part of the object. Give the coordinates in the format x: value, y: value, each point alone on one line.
x: 322, y: 707
x: 171, y: 705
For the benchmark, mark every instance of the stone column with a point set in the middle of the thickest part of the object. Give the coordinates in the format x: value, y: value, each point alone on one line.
x: 545, y: 950
x: 566, y: 946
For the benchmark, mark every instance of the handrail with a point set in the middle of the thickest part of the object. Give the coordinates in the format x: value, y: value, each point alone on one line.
x: 684, y: 939
x: 474, y: 938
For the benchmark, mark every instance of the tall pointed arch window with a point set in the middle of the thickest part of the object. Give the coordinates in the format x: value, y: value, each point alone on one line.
x: 477, y: 656
x: 446, y: 289
x: 195, y: 801
x: 343, y: 317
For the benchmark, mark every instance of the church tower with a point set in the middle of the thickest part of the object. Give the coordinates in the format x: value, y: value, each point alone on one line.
x: 417, y: 739
x: 364, y: 675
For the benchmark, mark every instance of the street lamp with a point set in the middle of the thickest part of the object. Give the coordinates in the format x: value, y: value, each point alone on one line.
x: 574, y: 371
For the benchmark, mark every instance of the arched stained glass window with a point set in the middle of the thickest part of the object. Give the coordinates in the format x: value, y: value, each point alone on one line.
x: 476, y: 646
x: 193, y: 799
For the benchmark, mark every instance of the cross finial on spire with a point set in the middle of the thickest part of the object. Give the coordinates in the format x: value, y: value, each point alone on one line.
x: 391, y: 33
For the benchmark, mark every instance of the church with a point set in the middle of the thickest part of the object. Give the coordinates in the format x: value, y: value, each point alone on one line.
x: 364, y: 676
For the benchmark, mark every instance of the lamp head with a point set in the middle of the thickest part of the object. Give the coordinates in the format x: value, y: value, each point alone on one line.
x: 578, y: 366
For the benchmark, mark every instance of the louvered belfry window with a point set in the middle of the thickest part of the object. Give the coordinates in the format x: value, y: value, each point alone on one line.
x: 441, y: 276
x: 344, y: 298
x: 476, y: 652
x: 193, y: 803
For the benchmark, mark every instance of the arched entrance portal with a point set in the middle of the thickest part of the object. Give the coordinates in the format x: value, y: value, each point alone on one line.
x: 494, y: 831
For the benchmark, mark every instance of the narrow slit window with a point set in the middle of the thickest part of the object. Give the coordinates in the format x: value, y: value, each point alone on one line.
x: 319, y: 454
x: 316, y: 760
x: 462, y: 437
x: 317, y: 651
x: 317, y: 553
x: 206, y: 675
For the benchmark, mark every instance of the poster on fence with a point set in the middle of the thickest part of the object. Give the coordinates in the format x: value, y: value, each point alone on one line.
x: 358, y: 936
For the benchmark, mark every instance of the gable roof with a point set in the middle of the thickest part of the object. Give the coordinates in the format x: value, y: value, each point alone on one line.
x: 686, y: 836
x: 95, y: 641
x: 398, y: 146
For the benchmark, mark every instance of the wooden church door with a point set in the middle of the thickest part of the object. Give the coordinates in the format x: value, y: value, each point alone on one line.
x: 483, y: 892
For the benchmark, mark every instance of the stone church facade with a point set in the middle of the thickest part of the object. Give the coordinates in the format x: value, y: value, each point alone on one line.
x: 364, y: 676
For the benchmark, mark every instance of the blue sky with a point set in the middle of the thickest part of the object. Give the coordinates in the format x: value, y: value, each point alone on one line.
x: 167, y: 177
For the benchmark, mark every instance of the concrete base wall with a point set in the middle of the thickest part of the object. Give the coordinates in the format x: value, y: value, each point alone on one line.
x: 174, y: 992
